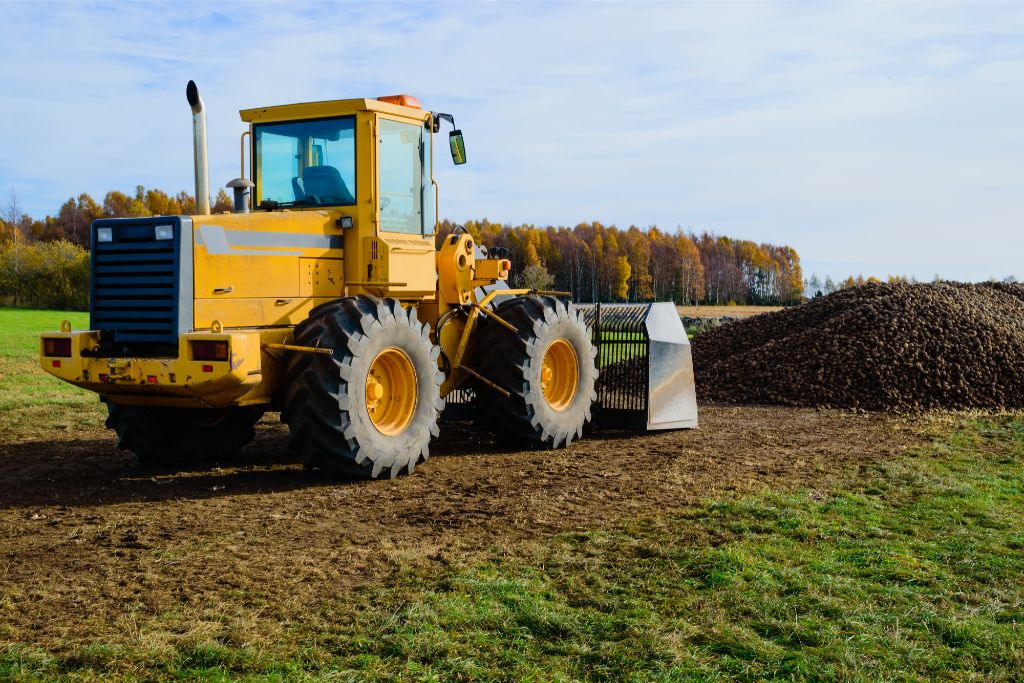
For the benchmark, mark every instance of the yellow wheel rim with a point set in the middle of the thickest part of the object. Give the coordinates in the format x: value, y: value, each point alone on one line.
x: 559, y: 374
x: 391, y: 391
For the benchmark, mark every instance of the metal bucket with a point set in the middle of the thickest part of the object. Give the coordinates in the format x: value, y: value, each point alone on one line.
x: 645, y: 365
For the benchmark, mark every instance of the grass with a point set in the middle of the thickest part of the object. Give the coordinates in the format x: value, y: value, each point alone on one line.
x: 29, y: 395
x: 910, y: 573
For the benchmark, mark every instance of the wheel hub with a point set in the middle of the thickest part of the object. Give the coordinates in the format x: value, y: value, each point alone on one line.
x: 391, y: 391
x: 559, y: 374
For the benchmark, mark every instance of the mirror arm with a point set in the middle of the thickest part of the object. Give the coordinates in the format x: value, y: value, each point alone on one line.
x: 438, y: 117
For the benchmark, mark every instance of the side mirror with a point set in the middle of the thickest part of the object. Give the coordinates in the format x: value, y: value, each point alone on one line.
x: 458, y: 146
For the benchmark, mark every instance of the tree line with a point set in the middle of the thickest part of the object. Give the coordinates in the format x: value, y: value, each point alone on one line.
x: 71, y: 222
x: 605, y: 263
x: 815, y: 287
x: 593, y: 261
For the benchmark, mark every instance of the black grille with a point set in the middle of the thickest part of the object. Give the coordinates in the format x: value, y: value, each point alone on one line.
x: 135, y: 281
x: 623, y: 353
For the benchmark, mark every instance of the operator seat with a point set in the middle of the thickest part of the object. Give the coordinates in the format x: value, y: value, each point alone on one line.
x: 325, y: 183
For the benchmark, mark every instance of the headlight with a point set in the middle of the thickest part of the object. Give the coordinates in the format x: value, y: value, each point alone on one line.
x: 60, y: 347
x: 104, y: 234
x: 165, y: 232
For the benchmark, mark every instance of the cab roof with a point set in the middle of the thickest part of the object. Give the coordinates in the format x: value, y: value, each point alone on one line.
x: 328, y: 108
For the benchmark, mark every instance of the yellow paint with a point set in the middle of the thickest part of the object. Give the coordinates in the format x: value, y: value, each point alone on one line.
x: 255, y: 266
x: 559, y: 374
x: 489, y: 270
x: 320, y: 277
x: 328, y: 108
x: 258, y: 312
x: 408, y: 259
x: 391, y: 391
x: 180, y: 381
x: 455, y: 263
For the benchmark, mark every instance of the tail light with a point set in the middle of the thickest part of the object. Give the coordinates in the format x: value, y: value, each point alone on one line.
x: 209, y: 350
x: 60, y: 348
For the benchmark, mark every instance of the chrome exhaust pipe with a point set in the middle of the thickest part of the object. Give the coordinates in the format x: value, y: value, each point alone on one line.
x: 199, y: 145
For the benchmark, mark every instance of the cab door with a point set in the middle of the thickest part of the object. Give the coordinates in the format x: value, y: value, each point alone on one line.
x: 402, y: 252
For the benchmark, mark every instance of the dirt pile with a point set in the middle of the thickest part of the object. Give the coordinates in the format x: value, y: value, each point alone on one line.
x: 894, y: 347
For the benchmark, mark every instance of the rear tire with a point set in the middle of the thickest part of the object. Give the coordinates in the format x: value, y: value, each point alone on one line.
x: 551, y: 417
x: 370, y: 408
x: 177, y: 436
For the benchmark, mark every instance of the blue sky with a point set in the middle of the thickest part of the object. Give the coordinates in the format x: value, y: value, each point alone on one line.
x: 875, y: 138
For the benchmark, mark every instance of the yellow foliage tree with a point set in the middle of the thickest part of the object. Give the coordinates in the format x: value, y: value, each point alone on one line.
x: 622, y: 273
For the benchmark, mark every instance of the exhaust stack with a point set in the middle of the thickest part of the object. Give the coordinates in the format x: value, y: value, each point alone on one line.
x: 199, y: 145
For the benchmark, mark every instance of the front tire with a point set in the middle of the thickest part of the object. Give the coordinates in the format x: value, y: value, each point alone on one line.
x: 176, y: 436
x: 548, y: 367
x: 370, y: 408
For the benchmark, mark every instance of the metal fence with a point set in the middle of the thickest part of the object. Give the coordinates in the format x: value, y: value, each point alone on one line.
x: 623, y: 351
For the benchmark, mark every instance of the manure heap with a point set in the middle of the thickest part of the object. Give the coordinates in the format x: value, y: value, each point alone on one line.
x: 897, y: 347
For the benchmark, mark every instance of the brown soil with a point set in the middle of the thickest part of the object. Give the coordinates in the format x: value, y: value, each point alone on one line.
x: 92, y: 545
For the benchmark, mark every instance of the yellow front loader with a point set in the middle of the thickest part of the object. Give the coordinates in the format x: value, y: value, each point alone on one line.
x: 322, y: 296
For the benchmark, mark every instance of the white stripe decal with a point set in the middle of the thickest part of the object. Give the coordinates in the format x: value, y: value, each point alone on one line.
x: 219, y: 241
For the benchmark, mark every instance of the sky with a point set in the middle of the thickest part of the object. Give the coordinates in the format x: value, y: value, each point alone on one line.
x: 875, y: 138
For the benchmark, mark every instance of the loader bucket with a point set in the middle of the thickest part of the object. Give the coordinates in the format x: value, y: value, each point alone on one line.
x: 646, y: 370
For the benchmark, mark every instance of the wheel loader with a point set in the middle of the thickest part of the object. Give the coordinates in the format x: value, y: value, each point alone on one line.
x: 323, y: 295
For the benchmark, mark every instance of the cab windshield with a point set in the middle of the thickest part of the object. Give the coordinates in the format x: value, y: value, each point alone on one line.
x: 307, y: 163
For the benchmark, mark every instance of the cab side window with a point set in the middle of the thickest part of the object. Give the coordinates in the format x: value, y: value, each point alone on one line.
x: 401, y: 150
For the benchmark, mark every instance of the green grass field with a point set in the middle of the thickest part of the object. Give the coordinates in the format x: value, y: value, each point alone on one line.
x: 33, y: 402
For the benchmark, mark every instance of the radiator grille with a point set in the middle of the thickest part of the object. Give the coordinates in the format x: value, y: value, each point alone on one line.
x: 135, y: 282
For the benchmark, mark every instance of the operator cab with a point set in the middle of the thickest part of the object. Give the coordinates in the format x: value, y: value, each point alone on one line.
x: 304, y: 156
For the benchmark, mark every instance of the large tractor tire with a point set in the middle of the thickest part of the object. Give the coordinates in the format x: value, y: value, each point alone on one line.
x: 179, y: 436
x: 370, y: 408
x: 548, y: 367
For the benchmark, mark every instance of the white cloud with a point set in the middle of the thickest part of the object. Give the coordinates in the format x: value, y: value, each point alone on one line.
x: 872, y: 137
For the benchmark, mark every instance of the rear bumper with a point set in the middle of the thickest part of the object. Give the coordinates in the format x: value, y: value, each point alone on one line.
x: 179, y: 381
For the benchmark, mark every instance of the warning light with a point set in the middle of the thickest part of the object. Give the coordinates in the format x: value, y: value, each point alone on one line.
x: 401, y: 100
x: 209, y: 350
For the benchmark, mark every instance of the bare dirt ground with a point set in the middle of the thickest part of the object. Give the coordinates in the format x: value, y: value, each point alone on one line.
x: 92, y: 545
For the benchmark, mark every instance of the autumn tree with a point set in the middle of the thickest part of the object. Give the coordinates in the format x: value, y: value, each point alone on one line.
x: 76, y: 216
x: 622, y: 273
x: 223, y: 202
x: 535, y: 277
x: 638, y: 255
